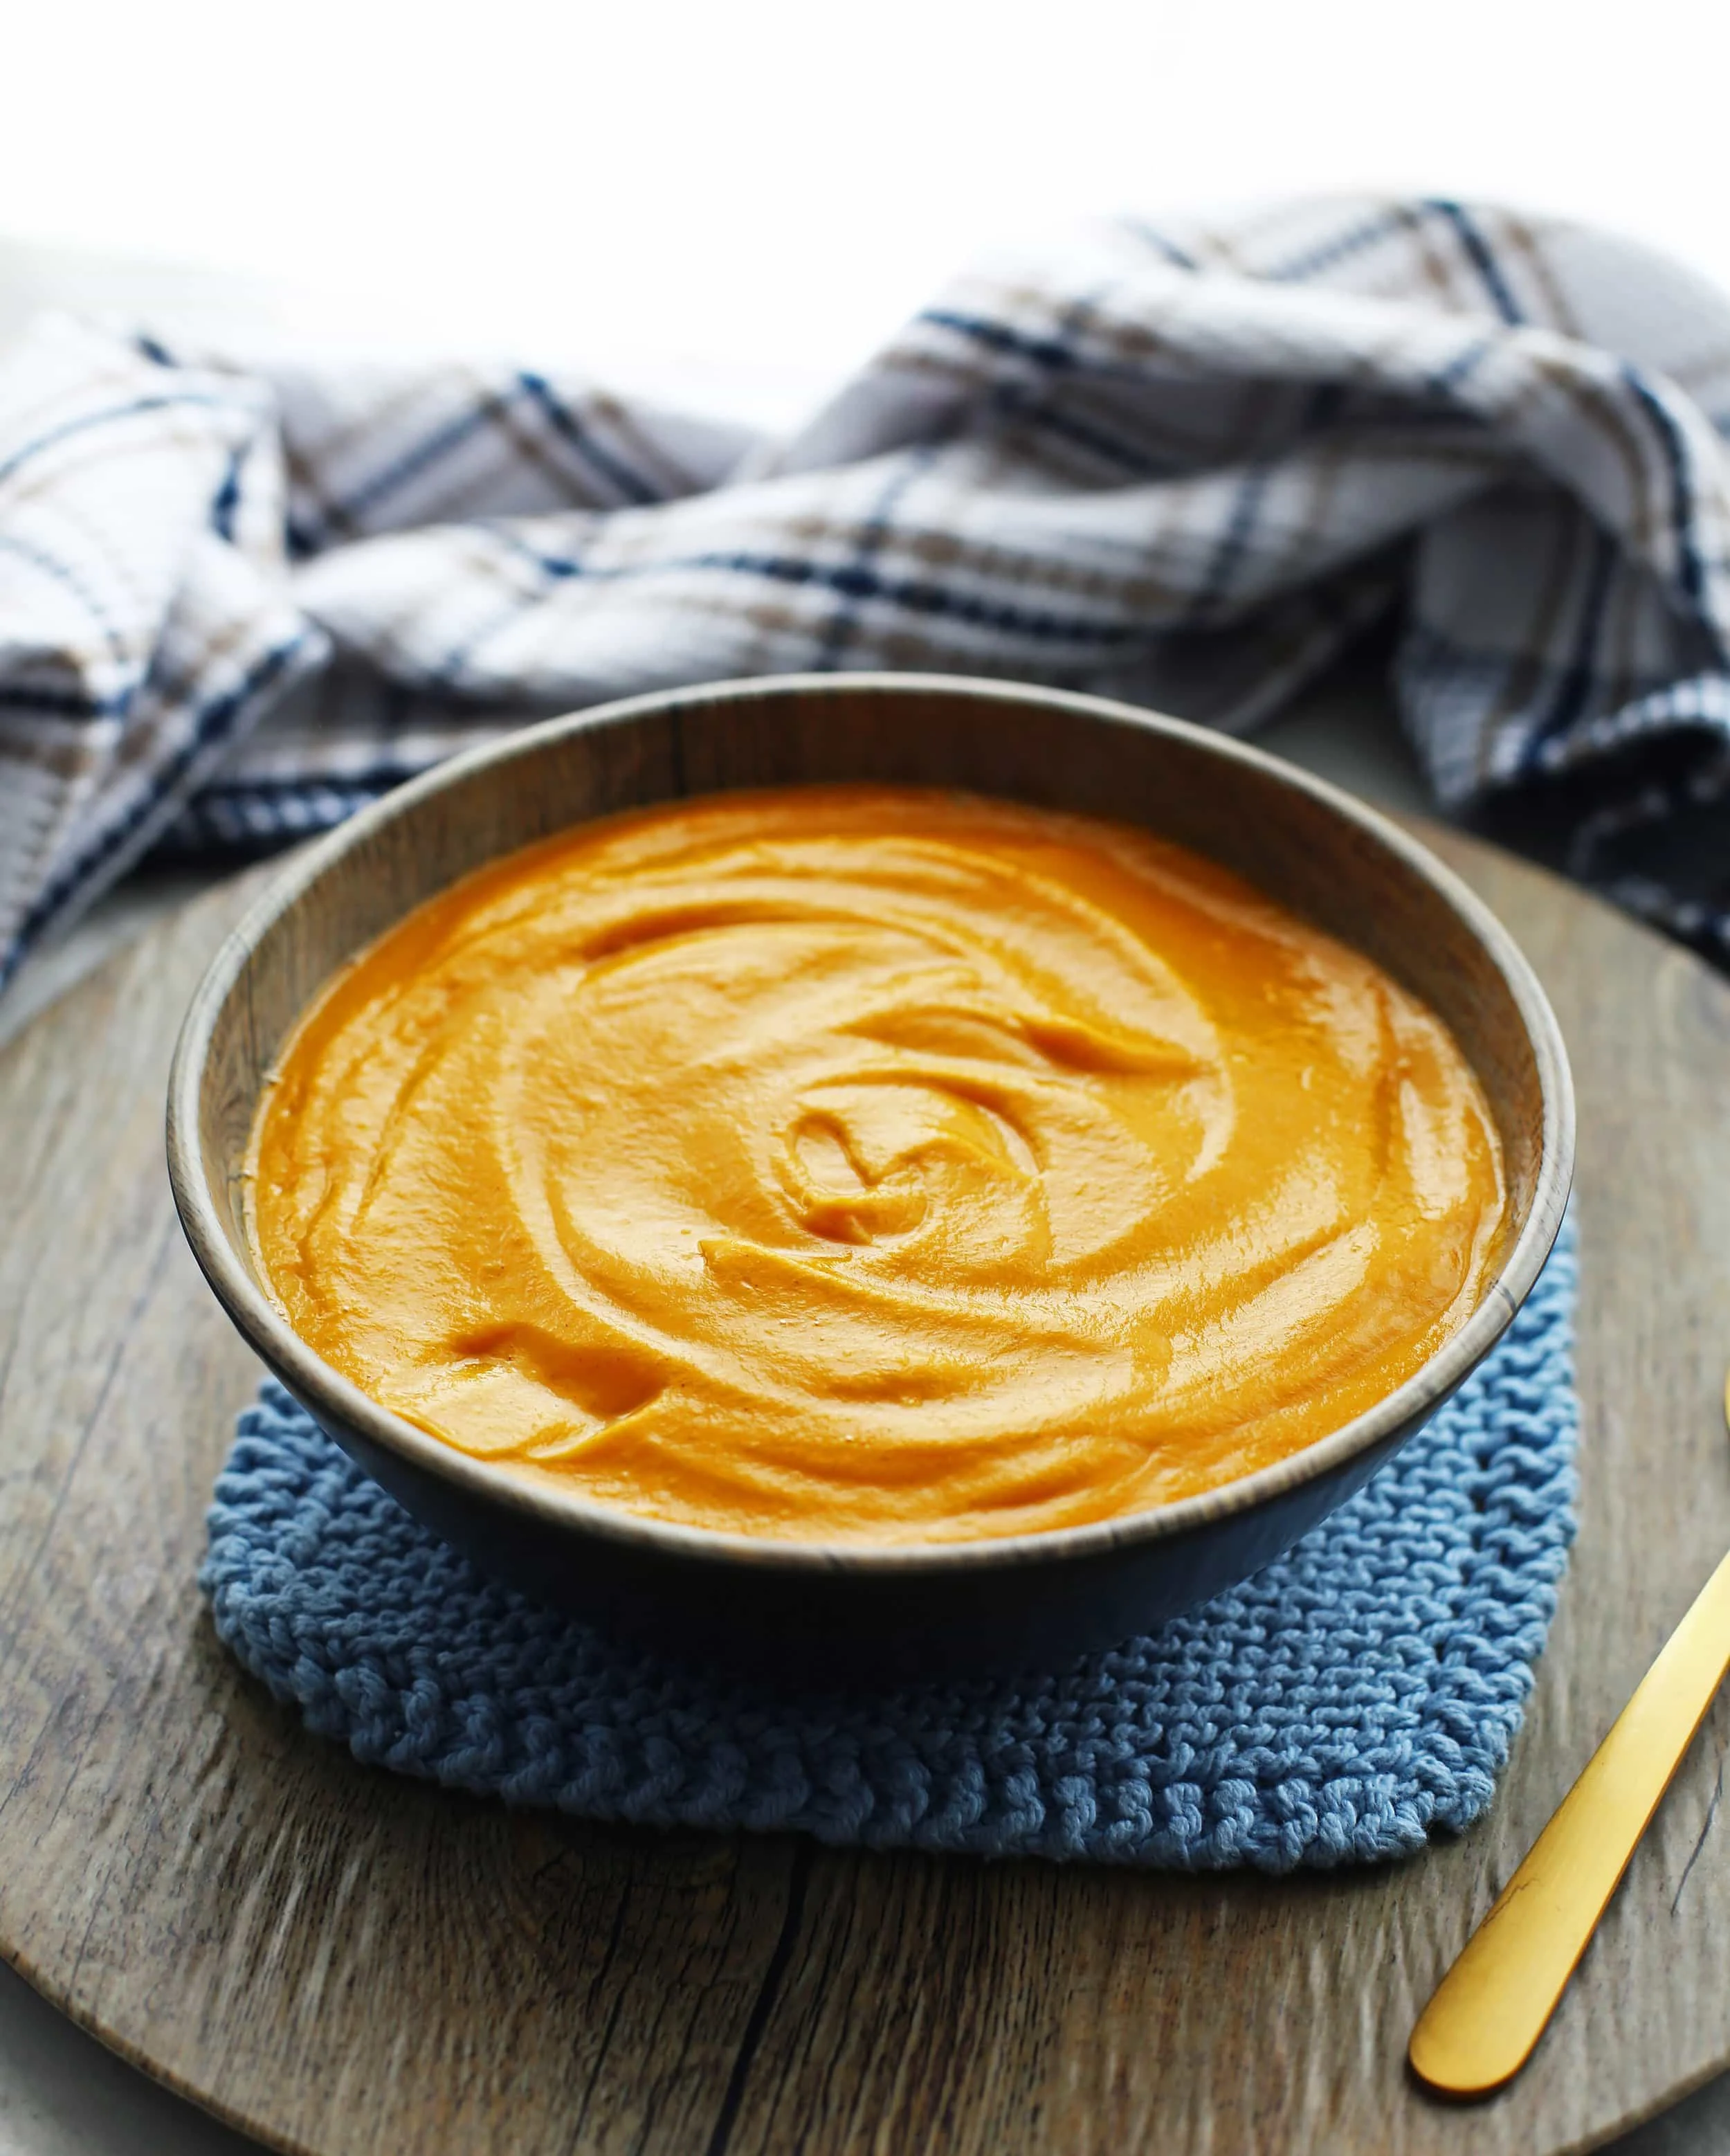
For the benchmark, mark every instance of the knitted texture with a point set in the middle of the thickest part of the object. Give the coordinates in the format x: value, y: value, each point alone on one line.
x: 1358, y: 1694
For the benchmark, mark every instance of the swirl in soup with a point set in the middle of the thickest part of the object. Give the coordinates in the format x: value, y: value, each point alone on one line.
x: 874, y: 1165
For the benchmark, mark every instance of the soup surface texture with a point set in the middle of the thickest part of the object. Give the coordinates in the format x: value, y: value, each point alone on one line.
x: 864, y: 1165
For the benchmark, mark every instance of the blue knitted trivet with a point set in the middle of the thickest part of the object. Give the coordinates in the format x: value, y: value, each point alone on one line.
x: 1358, y: 1693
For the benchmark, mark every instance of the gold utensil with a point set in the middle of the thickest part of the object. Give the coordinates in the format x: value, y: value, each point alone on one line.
x: 1491, y: 2007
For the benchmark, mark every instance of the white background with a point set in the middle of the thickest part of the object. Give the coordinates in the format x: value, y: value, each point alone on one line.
x: 741, y: 198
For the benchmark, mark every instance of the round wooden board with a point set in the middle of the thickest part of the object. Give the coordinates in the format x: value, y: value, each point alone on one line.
x: 339, y: 1960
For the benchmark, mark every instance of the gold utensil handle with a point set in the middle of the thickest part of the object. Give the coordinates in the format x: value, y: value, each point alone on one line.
x: 1490, y: 2007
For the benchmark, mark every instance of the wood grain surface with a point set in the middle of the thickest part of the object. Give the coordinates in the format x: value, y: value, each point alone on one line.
x: 339, y: 1960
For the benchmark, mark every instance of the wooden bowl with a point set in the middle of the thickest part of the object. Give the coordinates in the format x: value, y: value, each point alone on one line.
x: 887, y: 1611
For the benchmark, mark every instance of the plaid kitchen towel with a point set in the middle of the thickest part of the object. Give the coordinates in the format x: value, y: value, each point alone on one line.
x: 1182, y: 464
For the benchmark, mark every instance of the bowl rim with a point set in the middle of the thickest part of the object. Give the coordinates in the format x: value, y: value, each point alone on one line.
x: 325, y: 1390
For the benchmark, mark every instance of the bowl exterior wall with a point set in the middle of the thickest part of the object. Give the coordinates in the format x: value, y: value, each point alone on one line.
x: 853, y: 1627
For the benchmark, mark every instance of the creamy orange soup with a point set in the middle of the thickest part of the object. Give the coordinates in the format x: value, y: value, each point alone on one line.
x: 873, y: 1165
